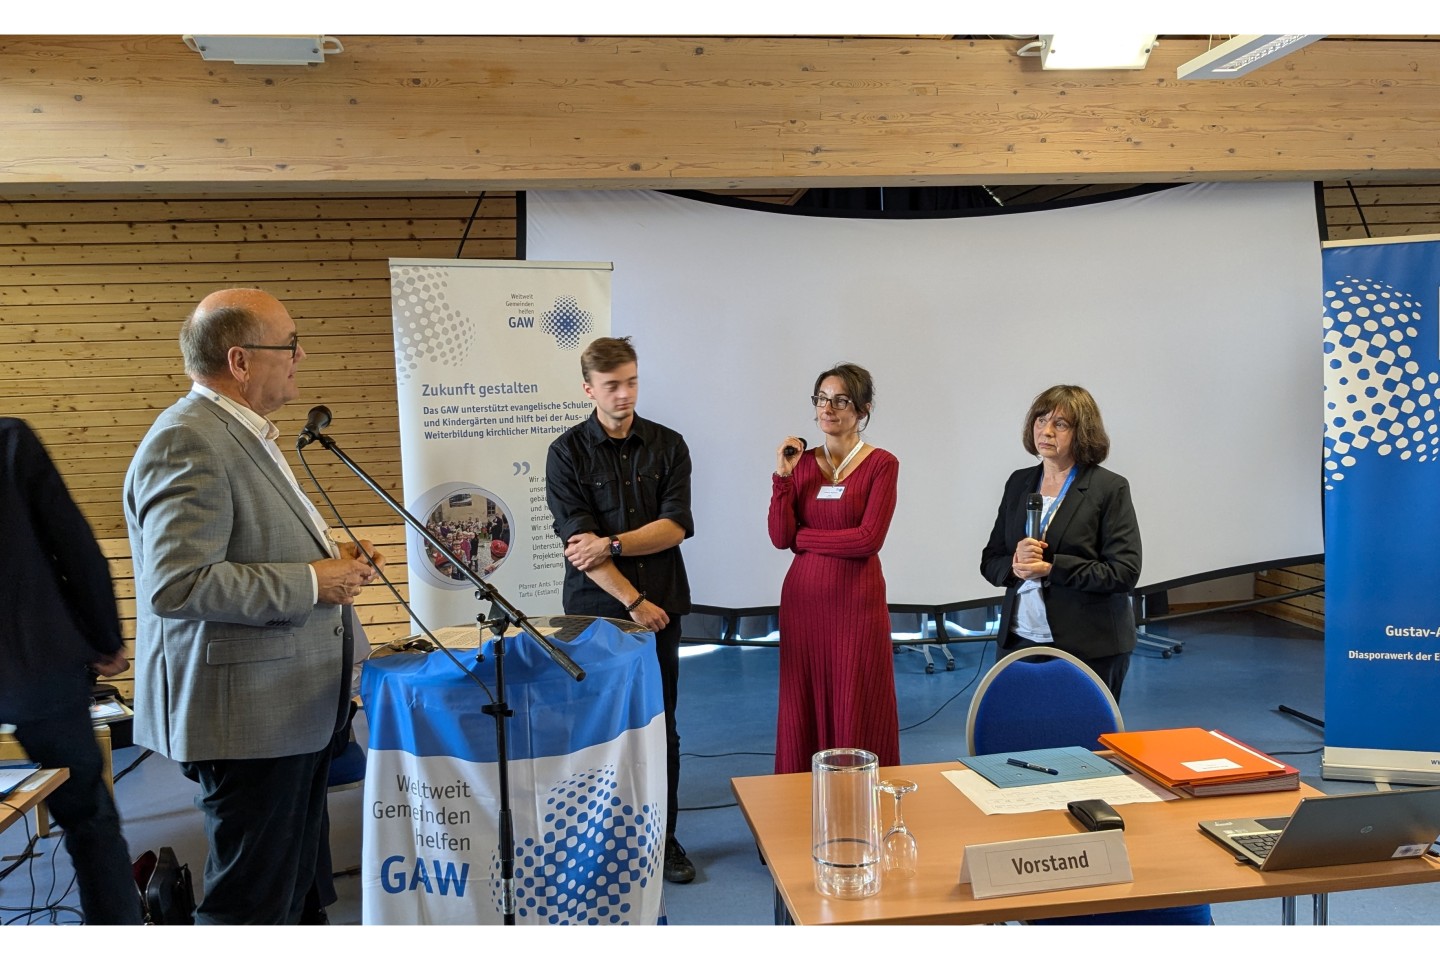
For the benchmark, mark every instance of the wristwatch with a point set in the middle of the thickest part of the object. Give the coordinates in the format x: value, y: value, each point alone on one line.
x: 615, y: 548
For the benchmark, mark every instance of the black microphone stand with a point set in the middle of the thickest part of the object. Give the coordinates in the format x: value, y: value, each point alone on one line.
x: 498, y: 708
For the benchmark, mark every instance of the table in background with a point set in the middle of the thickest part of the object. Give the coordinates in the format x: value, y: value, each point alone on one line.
x: 10, y: 749
x: 19, y: 802
x: 1173, y: 863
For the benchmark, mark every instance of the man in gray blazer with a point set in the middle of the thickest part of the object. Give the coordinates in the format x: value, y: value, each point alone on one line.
x: 242, y: 649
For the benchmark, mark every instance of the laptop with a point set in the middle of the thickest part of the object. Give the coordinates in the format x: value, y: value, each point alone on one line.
x: 1326, y: 831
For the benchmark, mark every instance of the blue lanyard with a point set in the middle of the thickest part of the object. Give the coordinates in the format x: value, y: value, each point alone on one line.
x: 1045, y: 520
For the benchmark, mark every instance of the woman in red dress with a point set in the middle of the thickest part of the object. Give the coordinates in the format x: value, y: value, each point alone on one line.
x: 831, y: 507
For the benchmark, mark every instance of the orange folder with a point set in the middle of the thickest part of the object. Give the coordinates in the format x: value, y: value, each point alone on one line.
x: 1190, y: 757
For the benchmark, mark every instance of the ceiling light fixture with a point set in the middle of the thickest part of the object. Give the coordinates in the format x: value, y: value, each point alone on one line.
x: 268, y: 51
x: 1091, y: 51
x: 1237, y: 57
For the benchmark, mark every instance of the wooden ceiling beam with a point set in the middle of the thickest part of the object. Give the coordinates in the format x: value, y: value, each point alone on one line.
x: 136, y: 116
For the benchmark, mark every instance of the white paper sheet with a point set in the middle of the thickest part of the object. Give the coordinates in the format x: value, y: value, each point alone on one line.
x: 1054, y: 796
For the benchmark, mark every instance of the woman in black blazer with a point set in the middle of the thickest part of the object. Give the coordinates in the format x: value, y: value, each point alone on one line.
x: 1070, y: 585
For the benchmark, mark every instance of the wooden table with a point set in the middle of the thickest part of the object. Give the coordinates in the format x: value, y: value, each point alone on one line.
x: 1173, y: 863
x: 18, y: 803
x: 10, y: 749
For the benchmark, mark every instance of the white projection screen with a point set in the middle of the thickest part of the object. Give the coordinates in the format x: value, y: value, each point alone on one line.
x: 1192, y: 314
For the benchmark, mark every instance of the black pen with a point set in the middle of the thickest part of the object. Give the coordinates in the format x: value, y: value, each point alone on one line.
x: 1031, y: 766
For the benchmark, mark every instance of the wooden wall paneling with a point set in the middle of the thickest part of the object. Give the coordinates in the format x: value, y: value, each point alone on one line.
x: 495, y: 206
x: 92, y: 293
x: 1357, y: 210
x: 1307, y: 610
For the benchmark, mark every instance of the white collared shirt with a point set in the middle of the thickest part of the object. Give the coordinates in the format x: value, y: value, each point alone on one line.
x: 1030, y: 620
x: 266, y: 432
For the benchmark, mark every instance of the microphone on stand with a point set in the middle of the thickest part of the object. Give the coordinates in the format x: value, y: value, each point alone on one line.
x: 318, y: 420
x: 1033, y: 507
x: 790, y: 450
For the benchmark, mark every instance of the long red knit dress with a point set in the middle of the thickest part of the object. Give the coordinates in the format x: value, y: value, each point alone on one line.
x: 837, y: 679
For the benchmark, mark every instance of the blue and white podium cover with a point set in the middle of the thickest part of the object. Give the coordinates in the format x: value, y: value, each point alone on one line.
x: 587, y: 785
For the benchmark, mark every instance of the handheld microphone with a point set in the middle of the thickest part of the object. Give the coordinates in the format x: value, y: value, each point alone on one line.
x: 1034, y: 504
x: 790, y: 450
x: 318, y: 420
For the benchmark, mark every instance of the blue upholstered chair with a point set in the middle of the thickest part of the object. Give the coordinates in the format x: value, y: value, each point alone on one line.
x: 1028, y: 703
x: 348, y: 769
x: 347, y: 772
x: 1035, y: 699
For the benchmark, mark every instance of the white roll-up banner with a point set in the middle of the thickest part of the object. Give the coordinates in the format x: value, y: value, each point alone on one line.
x: 487, y: 368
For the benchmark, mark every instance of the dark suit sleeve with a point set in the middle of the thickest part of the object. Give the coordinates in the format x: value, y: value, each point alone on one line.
x: 995, y: 559
x: 1114, y: 566
x: 65, y: 535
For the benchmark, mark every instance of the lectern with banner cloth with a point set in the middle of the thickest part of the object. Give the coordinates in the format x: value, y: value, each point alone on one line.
x: 587, y: 782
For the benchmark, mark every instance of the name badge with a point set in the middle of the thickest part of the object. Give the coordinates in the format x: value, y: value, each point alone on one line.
x: 1046, y: 863
x: 830, y: 491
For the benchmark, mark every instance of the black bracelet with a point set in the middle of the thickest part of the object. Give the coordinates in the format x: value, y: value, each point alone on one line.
x: 638, y: 600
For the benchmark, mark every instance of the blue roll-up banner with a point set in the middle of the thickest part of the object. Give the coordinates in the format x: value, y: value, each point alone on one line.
x: 587, y: 785
x: 1382, y: 510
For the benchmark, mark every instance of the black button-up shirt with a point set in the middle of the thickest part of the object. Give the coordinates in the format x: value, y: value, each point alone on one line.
x: 595, y: 484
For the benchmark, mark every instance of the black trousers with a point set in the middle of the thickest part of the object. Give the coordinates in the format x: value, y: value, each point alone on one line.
x: 264, y: 820
x: 667, y: 650
x: 86, y: 812
x: 1110, y: 669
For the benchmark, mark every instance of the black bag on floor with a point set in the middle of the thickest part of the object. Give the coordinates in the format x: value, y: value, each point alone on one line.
x: 167, y: 895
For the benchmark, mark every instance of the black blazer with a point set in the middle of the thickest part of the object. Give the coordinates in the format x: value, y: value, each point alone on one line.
x: 57, y: 605
x: 1094, y: 547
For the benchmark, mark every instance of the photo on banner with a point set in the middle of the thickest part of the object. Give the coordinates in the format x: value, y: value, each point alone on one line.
x: 487, y: 370
x: 1381, y: 468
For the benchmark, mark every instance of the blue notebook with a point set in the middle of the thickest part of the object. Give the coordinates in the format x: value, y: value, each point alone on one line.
x: 1069, y: 763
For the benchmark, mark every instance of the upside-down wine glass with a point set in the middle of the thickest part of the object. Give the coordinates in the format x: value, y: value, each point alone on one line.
x: 900, y: 849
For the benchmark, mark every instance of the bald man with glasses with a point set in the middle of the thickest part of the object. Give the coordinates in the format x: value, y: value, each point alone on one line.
x: 244, y: 627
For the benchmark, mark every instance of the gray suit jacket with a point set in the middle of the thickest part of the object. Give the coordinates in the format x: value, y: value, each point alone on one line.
x: 233, y: 659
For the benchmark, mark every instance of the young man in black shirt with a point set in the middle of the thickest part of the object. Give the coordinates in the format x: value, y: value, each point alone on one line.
x: 618, y: 487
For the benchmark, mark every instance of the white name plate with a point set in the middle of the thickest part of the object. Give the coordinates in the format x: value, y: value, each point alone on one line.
x: 1046, y: 863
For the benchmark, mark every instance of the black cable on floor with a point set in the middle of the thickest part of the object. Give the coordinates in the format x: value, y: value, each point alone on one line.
x: 736, y: 753
x: 978, y: 670
x: 714, y: 756
x: 28, y: 853
x: 28, y: 856
x: 716, y: 806
x: 135, y: 763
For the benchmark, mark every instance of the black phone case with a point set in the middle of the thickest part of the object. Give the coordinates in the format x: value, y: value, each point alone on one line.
x: 1096, y: 815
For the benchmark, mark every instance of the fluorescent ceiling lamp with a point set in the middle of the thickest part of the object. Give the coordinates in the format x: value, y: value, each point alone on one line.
x: 269, y: 51
x: 1091, y: 51
x: 1237, y: 57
